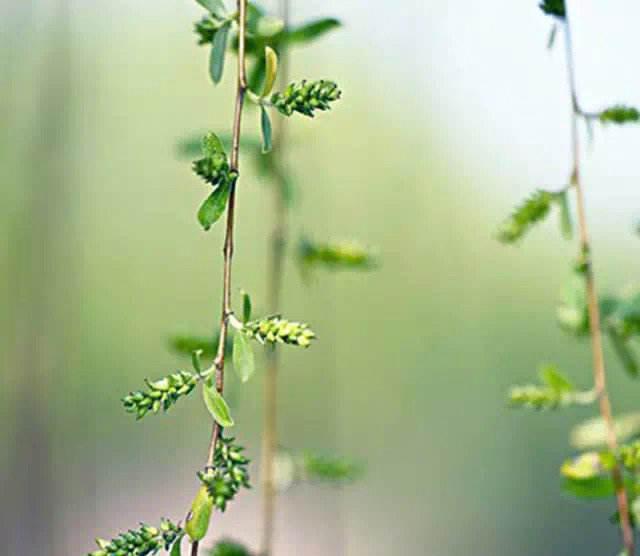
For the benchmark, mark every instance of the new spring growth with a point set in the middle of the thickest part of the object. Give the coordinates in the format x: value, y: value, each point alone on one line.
x: 276, y: 330
x: 336, y: 255
x: 214, y: 168
x: 532, y: 211
x: 220, y: 484
x: 620, y: 114
x: 145, y: 540
x: 554, y: 392
x: 554, y: 8
x: 306, y: 97
x: 160, y: 394
x: 228, y: 475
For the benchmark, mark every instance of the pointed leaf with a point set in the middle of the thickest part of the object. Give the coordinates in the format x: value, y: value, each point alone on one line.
x: 211, y: 144
x: 216, y: 7
x: 216, y: 405
x: 555, y: 380
x: 218, y: 52
x: 308, y: 32
x: 213, y: 207
x: 246, y: 306
x: 271, y: 70
x: 243, y: 358
x: 266, y: 130
x: 196, y: 360
x: 176, y: 550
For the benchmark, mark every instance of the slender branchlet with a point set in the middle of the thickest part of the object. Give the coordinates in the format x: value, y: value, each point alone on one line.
x: 599, y: 372
x: 582, y: 313
x: 255, y: 37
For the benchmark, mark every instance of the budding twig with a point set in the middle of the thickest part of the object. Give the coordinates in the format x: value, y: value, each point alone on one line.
x: 599, y: 373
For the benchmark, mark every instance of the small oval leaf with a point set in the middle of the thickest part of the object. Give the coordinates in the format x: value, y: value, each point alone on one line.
x: 271, y: 70
x: 218, y: 52
x: 243, y: 358
x: 216, y: 405
x: 213, y: 207
x: 246, y: 306
x: 197, y: 523
x: 265, y: 122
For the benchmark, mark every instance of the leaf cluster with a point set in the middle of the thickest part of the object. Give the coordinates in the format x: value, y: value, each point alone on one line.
x: 145, y: 540
x: 532, y: 211
x: 228, y: 475
x: 554, y: 8
x: 306, y: 97
x: 620, y: 114
x: 160, y: 394
x: 554, y: 391
x: 276, y: 330
x: 214, y: 168
x: 336, y: 255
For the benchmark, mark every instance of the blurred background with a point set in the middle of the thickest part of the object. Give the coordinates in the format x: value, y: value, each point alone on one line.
x: 452, y: 113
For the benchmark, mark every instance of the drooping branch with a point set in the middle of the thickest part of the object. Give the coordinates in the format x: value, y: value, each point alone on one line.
x: 599, y: 371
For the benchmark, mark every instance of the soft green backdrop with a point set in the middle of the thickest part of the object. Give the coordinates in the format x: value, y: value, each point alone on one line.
x: 103, y: 259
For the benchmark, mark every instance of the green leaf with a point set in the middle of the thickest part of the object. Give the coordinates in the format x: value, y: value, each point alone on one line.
x: 271, y: 70
x: 583, y: 467
x: 211, y: 144
x: 525, y: 216
x: 555, y: 380
x: 213, y: 207
x: 186, y: 344
x: 243, y: 358
x: 265, y: 123
x: 196, y: 360
x: 330, y: 469
x: 246, y: 306
x: 191, y: 146
x: 218, y: 52
x: 308, y: 32
x: 216, y: 7
x: 554, y: 8
x: 216, y: 405
x: 197, y: 523
x: 590, y: 489
x: 176, y: 549
x: 593, y: 432
x: 620, y: 114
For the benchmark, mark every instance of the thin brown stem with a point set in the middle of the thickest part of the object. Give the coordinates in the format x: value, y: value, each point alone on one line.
x: 599, y: 373
x: 219, y: 360
x: 275, y: 276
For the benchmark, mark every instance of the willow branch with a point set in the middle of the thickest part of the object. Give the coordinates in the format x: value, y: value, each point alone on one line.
x: 275, y: 278
x: 219, y: 360
x: 599, y: 372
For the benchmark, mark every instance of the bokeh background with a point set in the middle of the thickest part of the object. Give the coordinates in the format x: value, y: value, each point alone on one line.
x: 452, y: 112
